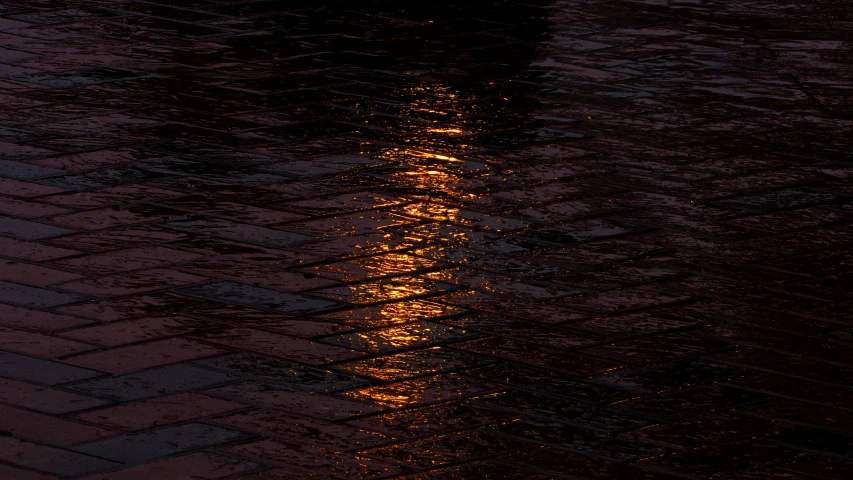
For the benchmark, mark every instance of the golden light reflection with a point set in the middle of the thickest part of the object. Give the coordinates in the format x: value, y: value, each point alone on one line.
x: 430, y: 156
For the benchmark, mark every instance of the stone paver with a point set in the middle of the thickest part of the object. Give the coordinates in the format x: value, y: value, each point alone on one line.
x: 544, y: 239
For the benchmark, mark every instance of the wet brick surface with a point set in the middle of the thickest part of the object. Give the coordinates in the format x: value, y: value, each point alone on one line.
x: 545, y: 239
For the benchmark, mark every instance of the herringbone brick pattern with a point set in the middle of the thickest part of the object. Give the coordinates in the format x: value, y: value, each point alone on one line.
x: 545, y: 239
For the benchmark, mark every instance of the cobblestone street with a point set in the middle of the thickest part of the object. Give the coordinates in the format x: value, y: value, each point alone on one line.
x: 529, y: 239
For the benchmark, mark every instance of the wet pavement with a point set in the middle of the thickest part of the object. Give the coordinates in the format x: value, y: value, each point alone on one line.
x: 426, y: 240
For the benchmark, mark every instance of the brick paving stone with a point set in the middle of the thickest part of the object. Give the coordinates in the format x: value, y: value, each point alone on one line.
x: 44, y: 399
x: 49, y: 459
x: 34, y: 275
x: 132, y: 283
x: 47, y: 429
x: 281, y: 372
x: 30, y: 319
x: 132, y: 331
x: 304, y: 431
x: 158, y: 411
x: 31, y: 251
x: 539, y: 239
x: 35, y: 297
x: 152, y: 382
x: 232, y: 292
x: 194, y: 465
x: 19, y: 474
x: 143, y: 355
x: 20, y: 367
x: 28, y: 230
x: 280, y: 398
x: 134, y: 306
x: 37, y: 344
x: 161, y: 442
x: 128, y: 259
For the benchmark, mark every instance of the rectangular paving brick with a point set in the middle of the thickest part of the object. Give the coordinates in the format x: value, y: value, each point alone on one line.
x: 280, y: 398
x: 393, y: 313
x: 162, y: 442
x: 126, y: 259
x: 26, y: 171
x: 296, y: 349
x: 23, y: 317
x: 121, y: 195
x: 49, y: 459
x: 132, y: 283
x: 35, y: 297
x: 42, y: 428
x: 118, y: 238
x: 410, y: 335
x: 232, y: 292
x: 281, y: 372
x: 240, y: 232
x: 18, y: 188
x: 44, y: 399
x: 30, y: 343
x: 132, y: 331
x: 152, y: 383
x: 7, y: 471
x: 134, y: 306
x: 158, y: 411
x: 275, y: 322
x: 413, y: 363
x: 108, y: 177
x: 34, y: 275
x: 195, y: 465
x: 305, y: 461
x: 375, y: 291
x: 31, y: 369
x: 265, y: 276
x: 32, y: 251
x: 15, y: 207
x: 143, y: 355
x: 439, y: 388
x: 29, y: 230
x: 113, y: 217
x: 300, y: 430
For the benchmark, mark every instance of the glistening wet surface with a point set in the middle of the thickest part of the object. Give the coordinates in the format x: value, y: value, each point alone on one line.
x: 425, y: 240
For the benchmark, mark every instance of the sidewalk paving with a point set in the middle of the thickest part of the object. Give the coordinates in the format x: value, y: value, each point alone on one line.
x: 435, y: 240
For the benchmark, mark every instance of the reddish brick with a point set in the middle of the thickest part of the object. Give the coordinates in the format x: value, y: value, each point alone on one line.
x: 306, y: 462
x: 439, y: 388
x: 50, y: 459
x: 122, y: 195
x: 18, y: 188
x: 265, y: 320
x: 296, y: 349
x: 29, y: 274
x: 294, y: 429
x: 34, y: 252
x: 114, y: 239
x: 132, y: 283
x: 39, y: 345
x: 124, y: 260
x: 143, y: 355
x: 90, y: 160
x: 131, y: 331
x: 103, y: 218
x: 18, y: 474
x: 38, y: 427
x: 159, y: 411
x: 136, y: 306
x: 202, y: 465
x: 37, y: 320
x: 26, y: 209
x: 264, y: 276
